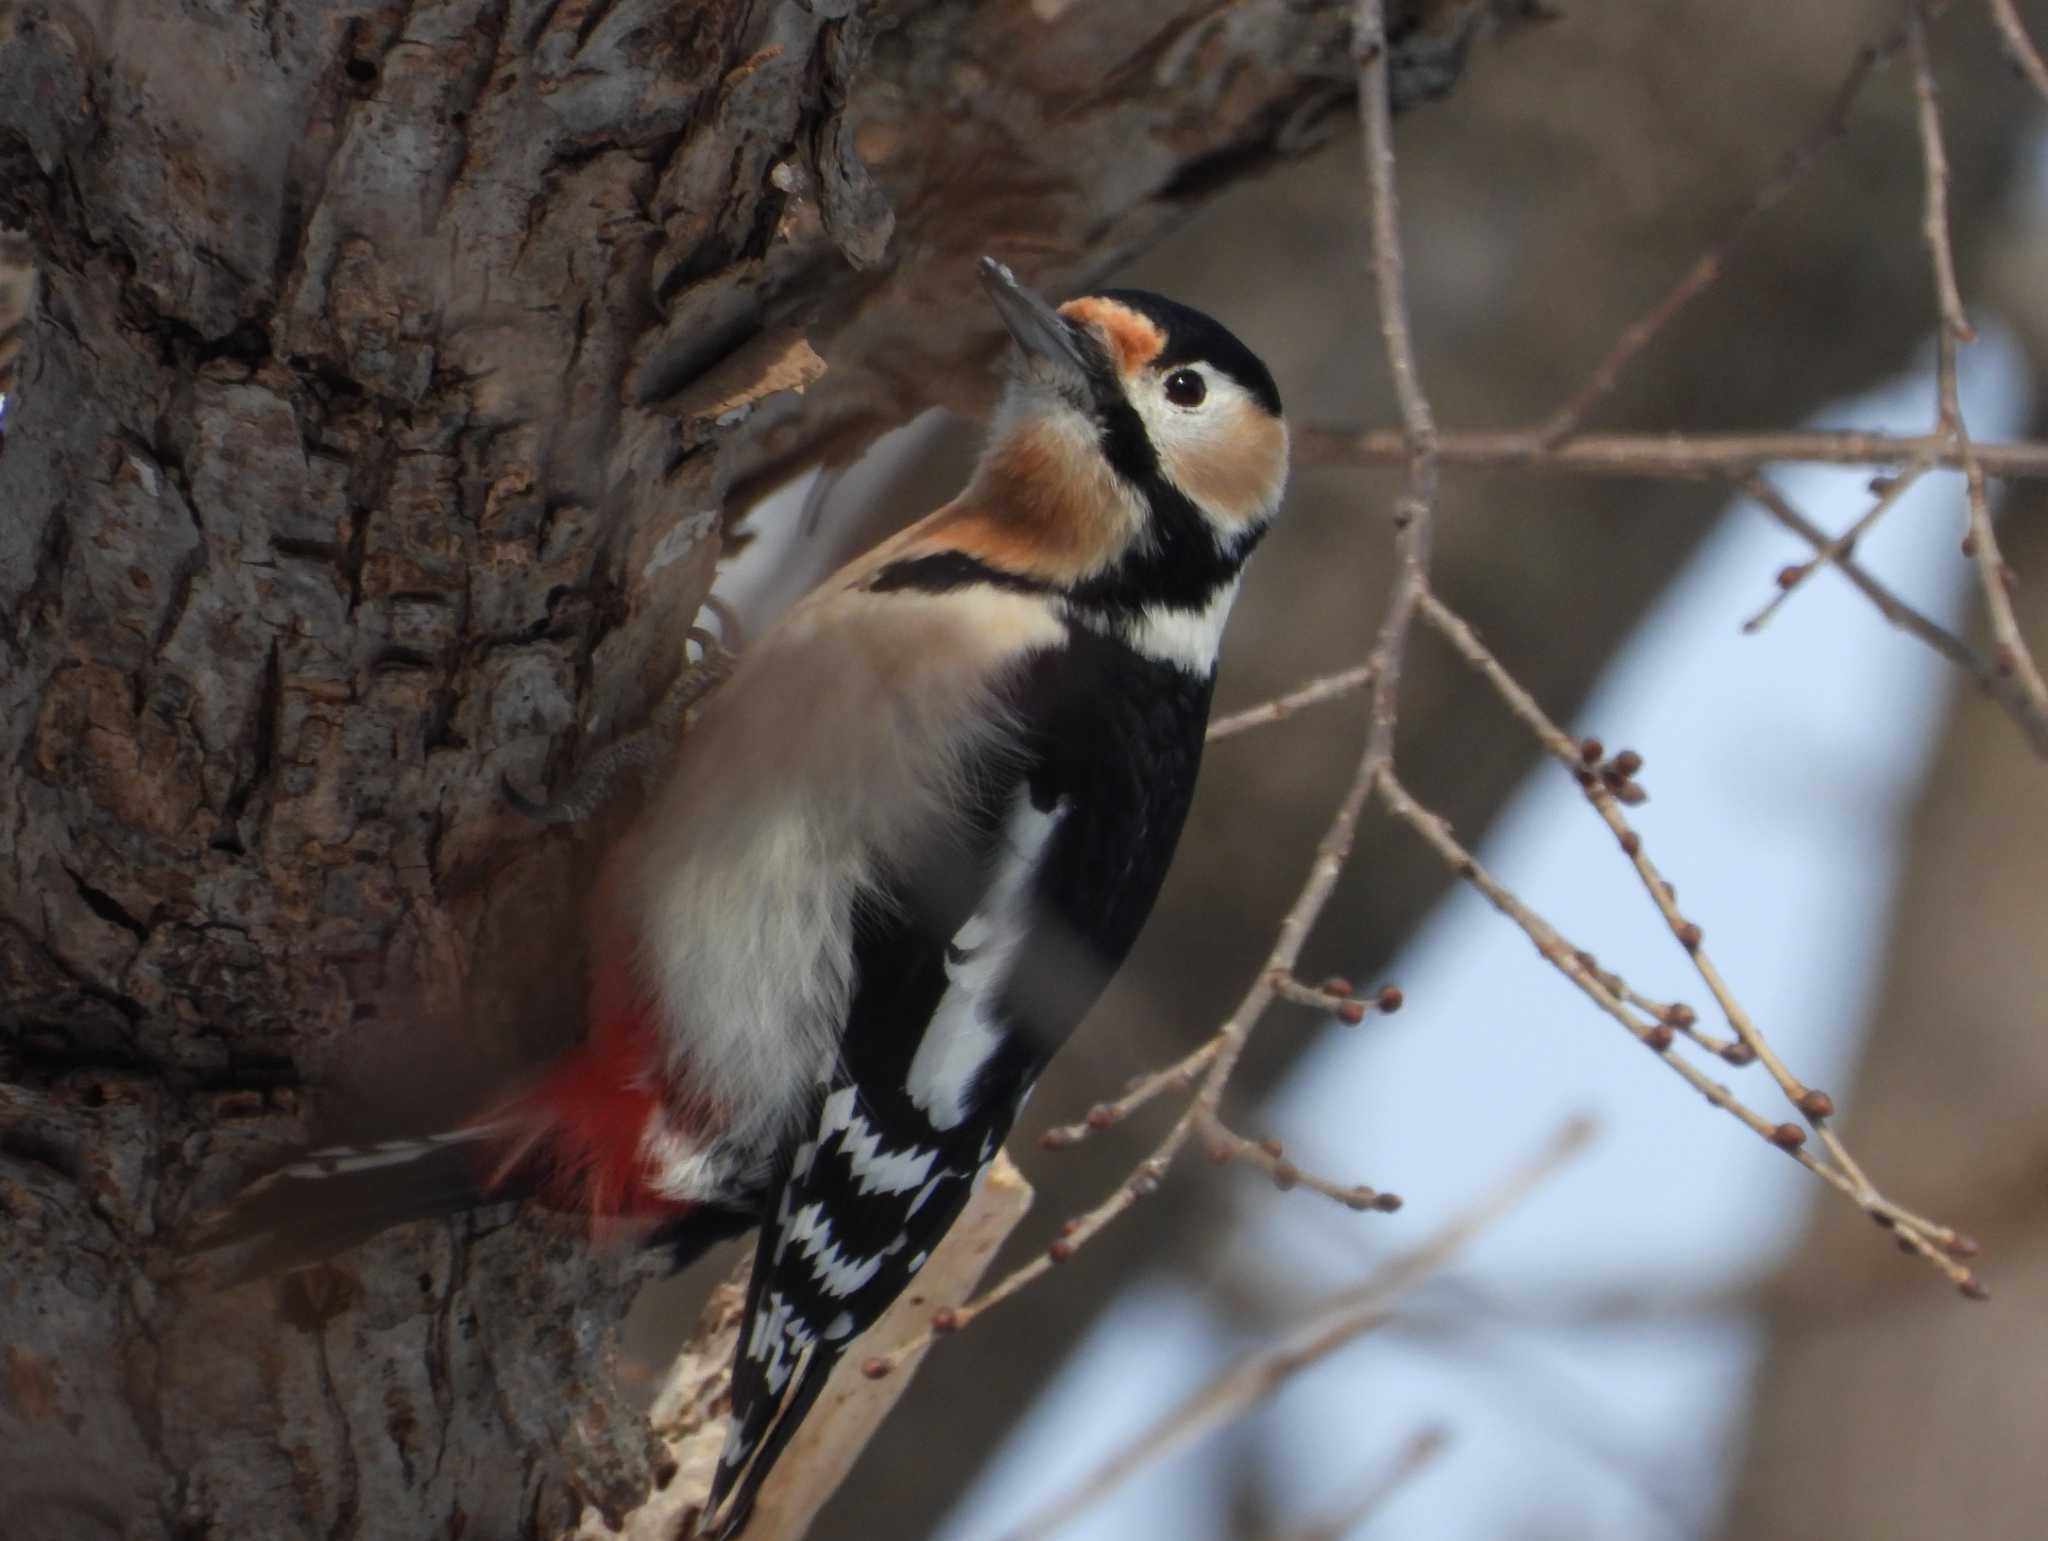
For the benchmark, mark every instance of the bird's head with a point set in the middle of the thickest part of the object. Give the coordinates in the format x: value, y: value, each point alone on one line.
x: 1139, y: 441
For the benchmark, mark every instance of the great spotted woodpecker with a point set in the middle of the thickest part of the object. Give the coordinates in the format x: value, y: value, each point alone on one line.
x: 894, y: 863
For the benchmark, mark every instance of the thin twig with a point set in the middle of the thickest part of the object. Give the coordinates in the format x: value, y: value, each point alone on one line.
x: 1739, y: 458
x: 1934, y: 162
x: 1254, y: 1378
x: 1702, y: 275
x: 1414, y: 520
x: 1789, y: 582
x: 1676, y: 1016
x: 2018, y: 46
x: 2001, y: 688
x: 1327, y: 687
x: 2009, y: 651
x: 1668, y: 456
x: 1270, y: 1157
x: 1183, y: 1075
x: 1555, y: 950
x: 1937, y: 1243
x: 1414, y: 516
x: 1338, y: 996
x: 1414, y: 1457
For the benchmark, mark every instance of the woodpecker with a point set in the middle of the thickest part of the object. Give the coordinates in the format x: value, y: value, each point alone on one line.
x: 892, y: 865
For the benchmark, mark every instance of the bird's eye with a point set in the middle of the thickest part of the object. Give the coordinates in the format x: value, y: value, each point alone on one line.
x: 1186, y: 388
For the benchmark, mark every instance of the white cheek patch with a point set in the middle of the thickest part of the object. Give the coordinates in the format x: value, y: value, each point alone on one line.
x: 965, y: 1032
x: 1228, y: 455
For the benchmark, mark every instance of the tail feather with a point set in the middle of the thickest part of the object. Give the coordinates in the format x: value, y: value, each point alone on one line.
x: 580, y: 1139
x: 332, y: 1199
x: 757, y: 1438
x: 577, y: 1141
x: 779, y: 1367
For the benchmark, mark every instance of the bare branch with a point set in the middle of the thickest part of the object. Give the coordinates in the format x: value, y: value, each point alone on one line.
x: 2002, y: 688
x: 1417, y: 1451
x: 1789, y: 581
x: 2009, y: 651
x: 1270, y: 1157
x: 1668, y: 456
x: 1934, y: 161
x: 2018, y: 46
x: 1327, y: 687
x: 1682, y: 457
x: 1257, y: 1376
x: 1938, y: 1244
x: 1183, y: 1075
x: 1702, y: 275
x: 1414, y: 518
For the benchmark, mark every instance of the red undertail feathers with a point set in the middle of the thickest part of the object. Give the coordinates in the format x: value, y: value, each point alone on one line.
x: 578, y: 1138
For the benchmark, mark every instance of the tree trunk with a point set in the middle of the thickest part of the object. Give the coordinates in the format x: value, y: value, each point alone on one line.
x: 392, y: 371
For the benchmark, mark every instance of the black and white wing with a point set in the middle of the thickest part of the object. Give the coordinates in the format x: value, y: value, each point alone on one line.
x: 971, y: 971
x: 878, y: 1181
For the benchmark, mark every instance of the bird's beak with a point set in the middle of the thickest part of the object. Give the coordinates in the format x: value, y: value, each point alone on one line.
x: 1039, y: 329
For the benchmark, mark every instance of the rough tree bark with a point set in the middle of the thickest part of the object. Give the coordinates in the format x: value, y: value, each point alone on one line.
x: 393, y: 368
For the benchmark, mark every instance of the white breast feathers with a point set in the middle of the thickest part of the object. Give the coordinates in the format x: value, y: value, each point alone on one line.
x: 836, y: 746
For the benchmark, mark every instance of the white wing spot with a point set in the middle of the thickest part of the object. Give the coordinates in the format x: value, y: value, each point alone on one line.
x: 963, y: 1033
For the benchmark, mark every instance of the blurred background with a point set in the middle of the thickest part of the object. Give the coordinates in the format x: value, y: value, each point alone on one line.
x: 1683, y: 1335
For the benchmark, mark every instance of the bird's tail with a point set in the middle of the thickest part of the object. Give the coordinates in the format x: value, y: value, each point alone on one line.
x: 329, y: 1200
x: 763, y: 1422
x: 576, y: 1140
